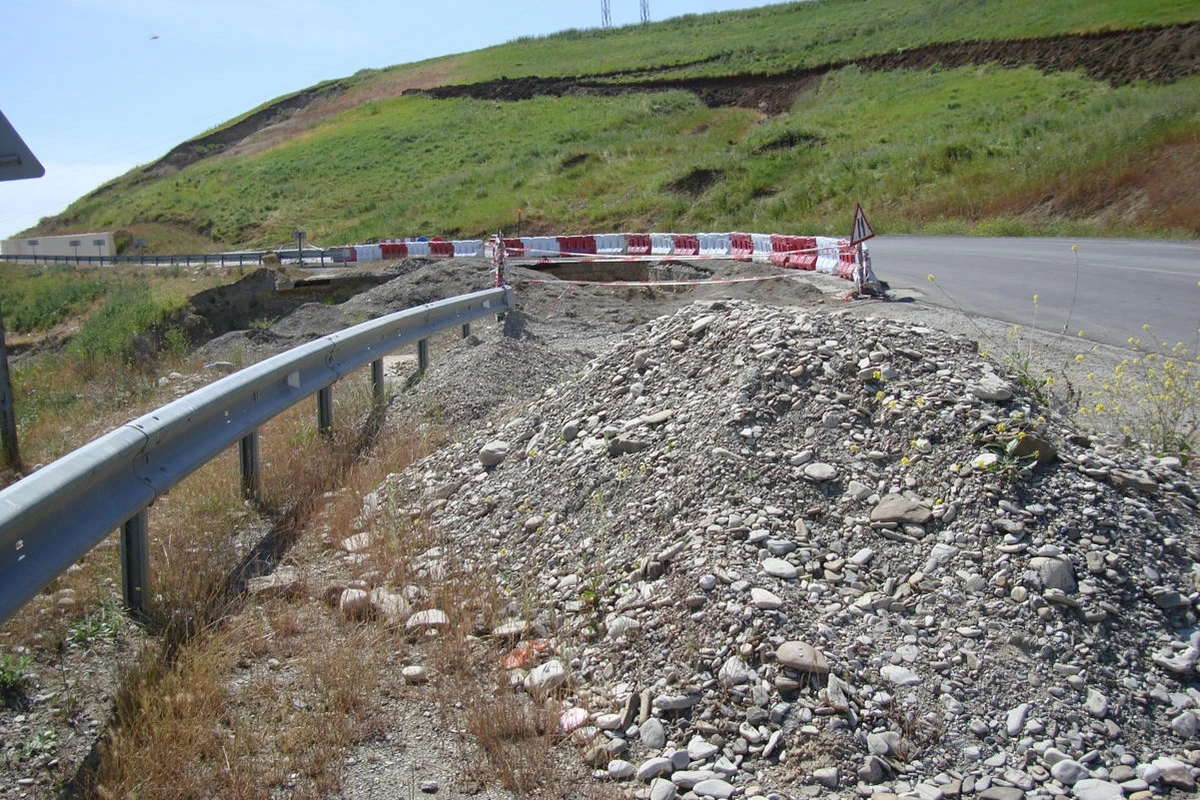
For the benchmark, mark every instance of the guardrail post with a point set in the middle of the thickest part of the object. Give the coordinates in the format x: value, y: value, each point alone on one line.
x: 325, y: 411
x: 135, y: 562
x: 251, y: 473
x: 466, y: 330
x: 377, y: 386
x: 422, y: 355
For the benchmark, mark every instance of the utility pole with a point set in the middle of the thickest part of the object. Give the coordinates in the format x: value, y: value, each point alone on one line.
x: 605, y: 14
x: 8, y: 409
x: 645, y: 11
x: 16, y: 163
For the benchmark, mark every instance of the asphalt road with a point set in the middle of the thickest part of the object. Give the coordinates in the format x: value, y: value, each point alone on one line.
x: 1115, y: 287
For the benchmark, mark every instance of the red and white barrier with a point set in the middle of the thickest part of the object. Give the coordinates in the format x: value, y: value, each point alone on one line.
x: 662, y: 244
x: 612, y: 244
x: 826, y: 254
x: 715, y: 245
x: 468, y: 248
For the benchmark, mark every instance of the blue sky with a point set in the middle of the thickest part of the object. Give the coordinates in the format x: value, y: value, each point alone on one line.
x: 93, y: 93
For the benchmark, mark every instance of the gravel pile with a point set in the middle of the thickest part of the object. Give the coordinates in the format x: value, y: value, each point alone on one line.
x: 789, y: 552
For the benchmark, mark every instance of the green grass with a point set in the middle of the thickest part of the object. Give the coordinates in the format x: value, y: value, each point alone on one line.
x: 109, y: 329
x: 41, y: 298
x: 922, y: 149
x: 786, y: 36
x: 967, y: 150
x: 12, y: 675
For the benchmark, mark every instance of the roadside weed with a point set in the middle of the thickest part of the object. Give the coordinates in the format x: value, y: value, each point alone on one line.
x: 13, y: 682
x: 1152, y: 396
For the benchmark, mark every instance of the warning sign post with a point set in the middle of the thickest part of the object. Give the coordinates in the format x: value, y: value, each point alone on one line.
x: 862, y: 229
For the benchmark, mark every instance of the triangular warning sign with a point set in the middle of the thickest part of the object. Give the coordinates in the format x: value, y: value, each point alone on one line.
x: 862, y: 229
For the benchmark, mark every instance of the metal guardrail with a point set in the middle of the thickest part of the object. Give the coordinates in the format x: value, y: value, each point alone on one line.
x: 234, y: 259
x: 52, y: 518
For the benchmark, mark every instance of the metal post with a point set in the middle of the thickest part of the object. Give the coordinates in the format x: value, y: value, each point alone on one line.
x: 325, y: 411
x: 422, y: 355
x: 251, y: 472
x: 466, y: 330
x: 377, y: 386
x: 135, y: 562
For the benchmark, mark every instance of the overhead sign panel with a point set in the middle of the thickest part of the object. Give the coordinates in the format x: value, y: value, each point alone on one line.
x: 17, y: 162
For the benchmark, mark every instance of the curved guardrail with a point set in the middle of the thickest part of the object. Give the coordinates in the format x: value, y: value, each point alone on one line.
x: 53, y: 517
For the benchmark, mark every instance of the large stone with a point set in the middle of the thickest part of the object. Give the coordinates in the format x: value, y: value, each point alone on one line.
x: 699, y: 749
x: 1186, y: 725
x: 653, y: 768
x: 874, y: 770
x: 652, y: 733
x: 1068, y: 772
x: 1035, y: 447
x: 899, y: 676
x: 735, y: 672
x: 493, y: 453
x: 661, y: 789
x: 355, y: 603
x: 802, y: 656
x: 829, y: 777
x: 898, y: 508
x: 1055, y: 573
x: 414, y: 674
x: 765, y: 600
x: 545, y: 678
x: 1001, y: 793
x: 428, y: 618
x: 820, y: 472
x: 992, y: 388
x: 714, y: 787
x: 392, y: 607
x: 687, y: 778
x: 1174, y: 773
x: 778, y: 568
x: 1096, y: 789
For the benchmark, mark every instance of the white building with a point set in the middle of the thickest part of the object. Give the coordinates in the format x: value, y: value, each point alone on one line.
x: 71, y: 245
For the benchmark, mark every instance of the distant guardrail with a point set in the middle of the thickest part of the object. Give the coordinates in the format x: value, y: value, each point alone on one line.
x: 52, y: 518
x: 231, y: 259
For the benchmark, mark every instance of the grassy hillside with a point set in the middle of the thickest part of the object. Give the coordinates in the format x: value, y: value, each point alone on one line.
x: 977, y: 148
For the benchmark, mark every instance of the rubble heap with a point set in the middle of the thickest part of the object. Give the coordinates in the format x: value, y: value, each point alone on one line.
x: 798, y: 552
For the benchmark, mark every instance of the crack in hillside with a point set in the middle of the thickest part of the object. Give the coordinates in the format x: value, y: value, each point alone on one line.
x: 1155, y: 55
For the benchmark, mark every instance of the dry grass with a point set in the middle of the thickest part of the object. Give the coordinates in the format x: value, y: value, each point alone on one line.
x: 158, y: 749
x: 281, y: 687
x: 516, y: 737
x: 257, y: 697
x: 254, y: 708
